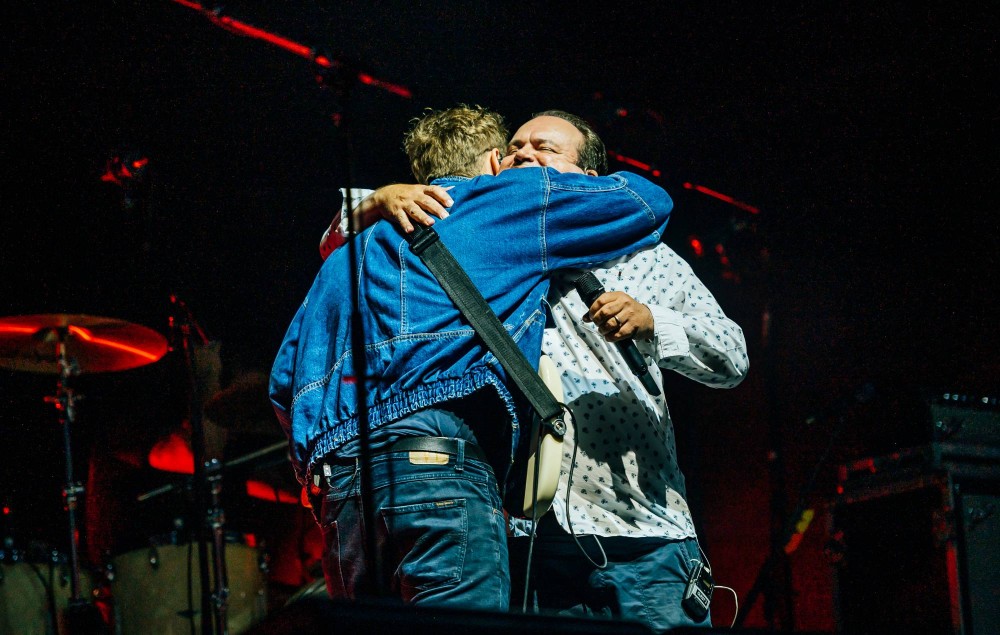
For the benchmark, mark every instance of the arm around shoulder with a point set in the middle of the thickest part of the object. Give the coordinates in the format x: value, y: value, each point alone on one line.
x: 593, y: 219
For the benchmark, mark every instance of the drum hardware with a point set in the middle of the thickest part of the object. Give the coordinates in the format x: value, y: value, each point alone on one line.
x: 156, y: 588
x: 264, y: 560
x: 64, y: 402
x: 154, y: 558
x: 207, y: 481
x: 34, y: 591
x: 90, y: 344
x: 216, y: 521
x: 223, y: 467
x: 68, y: 345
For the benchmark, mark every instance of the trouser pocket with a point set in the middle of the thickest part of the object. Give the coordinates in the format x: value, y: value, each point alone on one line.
x: 333, y: 559
x: 428, y: 543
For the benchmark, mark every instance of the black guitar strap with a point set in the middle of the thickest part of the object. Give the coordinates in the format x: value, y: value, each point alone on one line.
x: 425, y: 243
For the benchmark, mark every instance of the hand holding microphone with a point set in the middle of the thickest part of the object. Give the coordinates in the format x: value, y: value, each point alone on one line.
x: 591, y: 289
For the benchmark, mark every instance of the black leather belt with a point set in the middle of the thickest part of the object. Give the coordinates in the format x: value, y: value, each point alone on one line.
x: 441, y: 445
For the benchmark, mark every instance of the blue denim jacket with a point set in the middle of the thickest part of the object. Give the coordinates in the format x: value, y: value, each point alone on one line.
x: 509, y: 232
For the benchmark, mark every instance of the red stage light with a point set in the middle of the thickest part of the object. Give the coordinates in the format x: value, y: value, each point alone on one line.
x: 630, y: 161
x: 267, y: 492
x: 696, y: 246
x: 248, y: 30
x: 172, y: 454
x: 725, y: 198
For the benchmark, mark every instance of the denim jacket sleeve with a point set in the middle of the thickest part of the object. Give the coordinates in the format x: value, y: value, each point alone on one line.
x: 589, y: 220
x: 282, y: 380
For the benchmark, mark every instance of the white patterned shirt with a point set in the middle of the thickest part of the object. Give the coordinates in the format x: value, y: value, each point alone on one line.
x: 626, y: 481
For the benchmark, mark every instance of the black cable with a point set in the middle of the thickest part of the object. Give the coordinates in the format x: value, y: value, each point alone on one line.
x: 569, y: 521
x: 534, y: 516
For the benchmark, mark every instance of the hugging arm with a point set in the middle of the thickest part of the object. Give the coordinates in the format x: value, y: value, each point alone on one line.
x: 401, y: 203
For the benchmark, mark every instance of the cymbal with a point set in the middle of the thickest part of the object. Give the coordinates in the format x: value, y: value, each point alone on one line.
x: 94, y: 344
x: 244, y: 406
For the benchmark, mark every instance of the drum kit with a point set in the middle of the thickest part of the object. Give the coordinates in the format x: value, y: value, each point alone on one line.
x: 155, y: 588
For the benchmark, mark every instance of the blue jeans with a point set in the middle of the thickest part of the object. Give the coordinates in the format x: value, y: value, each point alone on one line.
x: 644, y: 580
x: 439, y: 531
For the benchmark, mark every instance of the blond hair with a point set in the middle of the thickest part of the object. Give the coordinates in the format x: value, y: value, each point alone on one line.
x: 451, y: 142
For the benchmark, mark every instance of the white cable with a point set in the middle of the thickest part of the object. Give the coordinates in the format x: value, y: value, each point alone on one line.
x: 736, y: 600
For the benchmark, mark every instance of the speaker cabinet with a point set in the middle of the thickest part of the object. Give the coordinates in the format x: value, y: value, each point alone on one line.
x: 918, y: 551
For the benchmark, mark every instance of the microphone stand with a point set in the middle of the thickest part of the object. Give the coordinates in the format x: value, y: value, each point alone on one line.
x: 777, y: 558
x: 341, y: 80
x: 341, y: 75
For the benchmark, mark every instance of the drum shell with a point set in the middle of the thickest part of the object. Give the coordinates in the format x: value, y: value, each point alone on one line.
x: 25, y: 607
x: 150, y: 589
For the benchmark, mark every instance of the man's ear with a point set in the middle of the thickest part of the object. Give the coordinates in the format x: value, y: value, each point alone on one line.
x: 590, y: 172
x: 495, y: 157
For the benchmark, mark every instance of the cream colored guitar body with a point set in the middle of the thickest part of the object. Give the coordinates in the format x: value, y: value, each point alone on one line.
x: 549, y: 454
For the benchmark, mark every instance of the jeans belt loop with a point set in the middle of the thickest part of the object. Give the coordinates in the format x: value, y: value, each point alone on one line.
x: 460, y: 458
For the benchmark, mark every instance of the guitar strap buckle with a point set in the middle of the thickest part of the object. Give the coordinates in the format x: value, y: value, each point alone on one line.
x: 557, y: 424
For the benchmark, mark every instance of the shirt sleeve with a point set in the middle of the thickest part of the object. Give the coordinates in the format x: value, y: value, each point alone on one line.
x: 692, y: 335
x: 336, y: 234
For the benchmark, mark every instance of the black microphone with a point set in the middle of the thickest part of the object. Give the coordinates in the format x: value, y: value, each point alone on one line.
x: 590, y: 289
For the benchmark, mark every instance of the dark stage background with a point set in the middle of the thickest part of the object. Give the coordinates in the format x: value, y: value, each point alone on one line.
x: 865, y: 135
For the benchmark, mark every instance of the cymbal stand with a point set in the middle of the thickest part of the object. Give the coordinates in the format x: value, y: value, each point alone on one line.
x: 215, y: 518
x: 213, y: 606
x: 65, y: 401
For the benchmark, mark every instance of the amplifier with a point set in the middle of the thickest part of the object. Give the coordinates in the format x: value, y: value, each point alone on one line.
x: 882, y: 475
x: 914, y: 538
x: 967, y: 419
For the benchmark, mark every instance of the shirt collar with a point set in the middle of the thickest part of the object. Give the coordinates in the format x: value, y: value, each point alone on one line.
x: 451, y: 179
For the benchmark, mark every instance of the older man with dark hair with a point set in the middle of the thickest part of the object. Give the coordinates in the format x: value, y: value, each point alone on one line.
x: 591, y: 154
x: 620, y: 540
